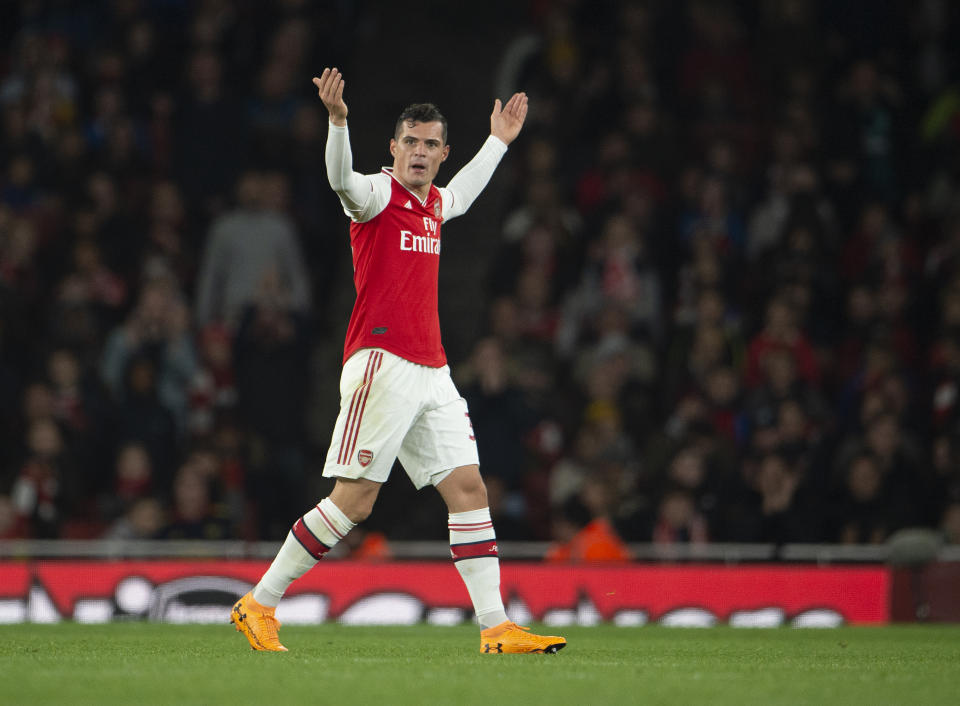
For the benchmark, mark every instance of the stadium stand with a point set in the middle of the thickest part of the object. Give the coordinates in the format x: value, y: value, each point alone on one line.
x: 720, y: 300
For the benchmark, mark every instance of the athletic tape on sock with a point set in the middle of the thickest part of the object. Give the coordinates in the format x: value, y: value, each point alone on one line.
x: 473, y: 546
x: 311, y: 536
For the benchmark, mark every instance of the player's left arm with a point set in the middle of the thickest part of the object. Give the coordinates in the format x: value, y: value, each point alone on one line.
x: 505, y: 124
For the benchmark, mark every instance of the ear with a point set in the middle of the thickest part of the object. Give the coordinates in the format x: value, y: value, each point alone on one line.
x: 446, y: 153
x: 393, y: 147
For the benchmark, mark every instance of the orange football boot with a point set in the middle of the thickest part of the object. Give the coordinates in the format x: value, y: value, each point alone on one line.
x: 257, y: 623
x: 510, y: 638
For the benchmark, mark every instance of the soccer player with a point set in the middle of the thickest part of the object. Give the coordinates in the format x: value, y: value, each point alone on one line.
x: 397, y: 399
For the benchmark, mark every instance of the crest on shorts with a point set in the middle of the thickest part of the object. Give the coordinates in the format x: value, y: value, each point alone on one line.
x: 364, y: 456
x: 436, y: 209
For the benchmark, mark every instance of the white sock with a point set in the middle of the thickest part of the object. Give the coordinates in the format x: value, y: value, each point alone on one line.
x: 312, y: 536
x: 473, y: 546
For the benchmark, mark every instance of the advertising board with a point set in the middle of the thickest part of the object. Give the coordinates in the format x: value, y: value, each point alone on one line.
x: 409, y: 592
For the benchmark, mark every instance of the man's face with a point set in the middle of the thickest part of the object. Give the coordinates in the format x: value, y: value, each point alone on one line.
x: 417, y: 154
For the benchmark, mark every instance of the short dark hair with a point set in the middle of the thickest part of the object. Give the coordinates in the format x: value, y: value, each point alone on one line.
x: 420, y: 113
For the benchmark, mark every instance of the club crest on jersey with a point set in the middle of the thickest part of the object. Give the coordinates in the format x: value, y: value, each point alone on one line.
x: 364, y: 456
x: 436, y: 209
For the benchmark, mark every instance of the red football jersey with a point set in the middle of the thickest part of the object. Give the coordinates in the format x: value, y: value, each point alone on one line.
x: 396, y: 263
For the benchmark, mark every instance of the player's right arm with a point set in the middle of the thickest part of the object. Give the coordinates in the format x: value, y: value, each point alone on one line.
x: 361, y: 195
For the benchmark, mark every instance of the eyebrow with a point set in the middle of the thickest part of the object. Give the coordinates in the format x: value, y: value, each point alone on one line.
x: 429, y: 140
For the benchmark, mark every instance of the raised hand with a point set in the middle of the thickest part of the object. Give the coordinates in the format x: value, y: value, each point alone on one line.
x: 330, y: 88
x: 505, y: 123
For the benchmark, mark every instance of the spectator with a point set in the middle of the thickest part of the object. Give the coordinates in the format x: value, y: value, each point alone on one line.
x: 864, y: 515
x: 619, y: 273
x: 499, y: 414
x: 781, y: 385
x: 898, y: 461
x: 112, y: 224
x: 193, y: 515
x: 570, y: 472
x: 686, y: 373
x: 143, y: 519
x: 168, y: 249
x: 865, y: 131
x: 157, y: 329
x: 132, y: 481
x: 82, y: 410
x: 42, y: 490
x: 945, y: 462
x: 722, y: 388
x: 781, y: 332
x: 141, y: 417
x: 12, y: 524
x: 582, y: 532
x: 678, y: 520
x: 245, y: 246
x: 689, y: 471
x: 784, y: 512
x: 715, y: 222
x: 950, y: 524
x: 210, y: 138
x: 271, y: 359
x: 213, y: 390
x: 542, y: 207
x: 90, y: 291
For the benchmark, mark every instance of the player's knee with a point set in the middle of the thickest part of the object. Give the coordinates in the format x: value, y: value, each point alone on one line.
x: 464, y: 489
x: 360, y: 507
x: 476, y: 491
x: 359, y: 513
x: 355, y: 499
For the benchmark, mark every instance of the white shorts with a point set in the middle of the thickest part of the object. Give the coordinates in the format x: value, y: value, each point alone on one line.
x: 391, y: 408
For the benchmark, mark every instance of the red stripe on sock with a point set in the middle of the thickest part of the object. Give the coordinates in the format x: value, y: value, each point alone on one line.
x: 471, y: 528
x: 314, y: 546
x: 328, y: 523
x: 473, y: 550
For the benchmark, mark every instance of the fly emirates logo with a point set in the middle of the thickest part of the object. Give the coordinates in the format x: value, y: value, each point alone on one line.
x: 429, y: 243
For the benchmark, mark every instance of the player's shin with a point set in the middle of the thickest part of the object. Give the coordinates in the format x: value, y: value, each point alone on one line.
x: 473, y: 545
x: 311, y: 536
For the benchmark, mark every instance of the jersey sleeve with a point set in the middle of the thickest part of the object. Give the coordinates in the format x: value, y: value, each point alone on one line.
x: 363, y: 196
x: 467, y: 184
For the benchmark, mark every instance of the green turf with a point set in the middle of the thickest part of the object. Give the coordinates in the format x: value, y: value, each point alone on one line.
x: 141, y: 663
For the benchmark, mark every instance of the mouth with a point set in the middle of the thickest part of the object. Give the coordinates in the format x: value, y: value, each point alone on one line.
x: 419, y: 169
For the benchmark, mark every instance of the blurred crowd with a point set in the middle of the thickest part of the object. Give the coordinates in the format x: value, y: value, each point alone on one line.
x: 160, y: 165
x: 724, y: 307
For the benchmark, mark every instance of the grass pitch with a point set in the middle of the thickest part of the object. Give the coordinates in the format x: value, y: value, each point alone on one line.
x: 143, y: 663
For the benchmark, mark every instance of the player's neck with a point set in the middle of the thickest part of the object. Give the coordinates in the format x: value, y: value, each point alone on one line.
x: 421, y: 191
